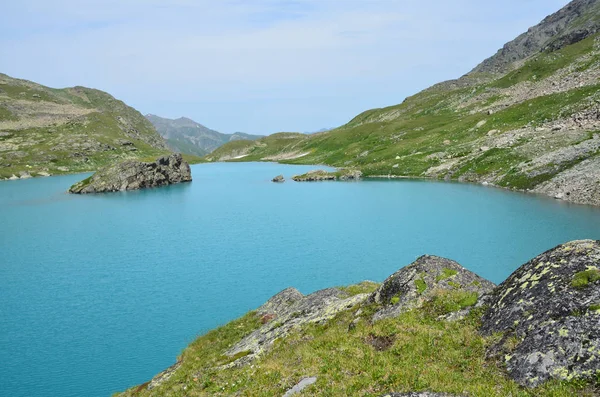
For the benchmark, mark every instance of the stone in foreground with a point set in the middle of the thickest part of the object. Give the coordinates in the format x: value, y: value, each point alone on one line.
x: 133, y: 175
x: 414, y: 284
x: 550, y: 309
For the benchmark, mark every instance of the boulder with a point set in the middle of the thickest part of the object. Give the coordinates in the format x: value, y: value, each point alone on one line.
x: 279, y: 179
x: 289, y: 310
x: 132, y: 175
x: 411, y: 286
x: 549, y: 312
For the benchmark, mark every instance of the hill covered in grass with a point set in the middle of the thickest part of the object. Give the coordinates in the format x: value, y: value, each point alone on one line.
x: 528, y: 118
x: 47, y: 131
x: 432, y: 326
x: 187, y: 136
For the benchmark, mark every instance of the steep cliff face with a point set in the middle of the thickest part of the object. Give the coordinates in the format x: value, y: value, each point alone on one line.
x: 134, y: 175
x: 52, y: 131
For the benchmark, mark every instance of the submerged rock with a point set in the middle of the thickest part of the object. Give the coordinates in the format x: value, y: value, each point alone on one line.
x: 133, y: 175
x: 549, y: 310
x: 414, y: 284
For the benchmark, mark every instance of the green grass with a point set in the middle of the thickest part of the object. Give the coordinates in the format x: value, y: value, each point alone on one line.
x: 421, y: 286
x: 446, y: 273
x: 365, y: 287
x: 422, y: 354
x: 584, y: 278
x: 404, y: 139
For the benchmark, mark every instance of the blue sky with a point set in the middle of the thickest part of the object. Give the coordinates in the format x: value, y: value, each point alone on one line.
x: 258, y: 66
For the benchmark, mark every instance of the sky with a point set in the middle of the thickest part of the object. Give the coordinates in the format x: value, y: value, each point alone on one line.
x: 257, y: 66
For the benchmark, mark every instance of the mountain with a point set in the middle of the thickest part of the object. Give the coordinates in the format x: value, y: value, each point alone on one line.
x: 528, y: 118
x: 47, y: 131
x: 187, y: 136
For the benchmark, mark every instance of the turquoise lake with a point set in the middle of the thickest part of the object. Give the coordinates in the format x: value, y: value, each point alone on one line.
x: 99, y: 293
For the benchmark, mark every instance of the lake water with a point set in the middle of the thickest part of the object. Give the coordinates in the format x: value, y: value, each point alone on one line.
x: 99, y: 293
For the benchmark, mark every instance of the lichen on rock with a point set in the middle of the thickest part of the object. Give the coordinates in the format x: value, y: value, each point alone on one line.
x: 418, y: 282
x: 551, y: 318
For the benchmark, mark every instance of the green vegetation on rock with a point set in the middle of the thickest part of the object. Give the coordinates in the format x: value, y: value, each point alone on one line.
x: 584, y: 278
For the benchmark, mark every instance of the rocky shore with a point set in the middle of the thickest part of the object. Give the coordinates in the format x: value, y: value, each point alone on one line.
x: 539, y: 325
x: 133, y: 175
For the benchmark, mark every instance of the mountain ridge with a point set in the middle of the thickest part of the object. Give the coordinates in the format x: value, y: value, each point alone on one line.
x: 532, y: 124
x: 46, y: 131
x: 188, y: 136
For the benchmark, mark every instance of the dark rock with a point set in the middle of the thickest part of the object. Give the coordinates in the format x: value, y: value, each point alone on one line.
x: 550, y: 308
x: 132, y: 175
x: 412, y: 285
x: 279, y: 179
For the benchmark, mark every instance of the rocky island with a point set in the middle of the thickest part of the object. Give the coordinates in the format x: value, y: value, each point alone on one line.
x: 433, y: 328
x: 321, y: 175
x: 133, y: 175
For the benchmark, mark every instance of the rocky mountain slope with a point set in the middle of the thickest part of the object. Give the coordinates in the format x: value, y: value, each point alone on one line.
x: 186, y: 136
x: 433, y: 328
x: 52, y: 131
x: 528, y: 118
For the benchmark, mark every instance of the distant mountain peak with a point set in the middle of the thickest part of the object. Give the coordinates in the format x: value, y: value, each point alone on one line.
x: 188, y: 136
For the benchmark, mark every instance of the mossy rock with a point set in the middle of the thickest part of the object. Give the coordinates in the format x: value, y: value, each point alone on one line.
x: 550, y: 305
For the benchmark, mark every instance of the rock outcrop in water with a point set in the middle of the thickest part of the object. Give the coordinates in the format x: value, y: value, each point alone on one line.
x: 321, y: 175
x: 133, y: 175
x: 550, y: 310
x: 545, y: 322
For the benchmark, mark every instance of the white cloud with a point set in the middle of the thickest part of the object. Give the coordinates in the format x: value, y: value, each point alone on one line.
x: 170, y: 56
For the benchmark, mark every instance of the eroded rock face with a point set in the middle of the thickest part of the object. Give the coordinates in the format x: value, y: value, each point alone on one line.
x: 412, y: 285
x: 133, y: 175
x: 550, y: 308
x: 289, y: 310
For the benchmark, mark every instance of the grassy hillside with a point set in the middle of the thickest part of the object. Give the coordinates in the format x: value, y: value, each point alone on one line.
x: 517, y: 130
x: 52, y: 131
x: 415, y: 351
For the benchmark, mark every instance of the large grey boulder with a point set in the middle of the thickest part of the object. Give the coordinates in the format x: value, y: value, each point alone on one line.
x: 133, y: 175
x: 287, y: 311
x: 418, y: 282
x: 549, y: 313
